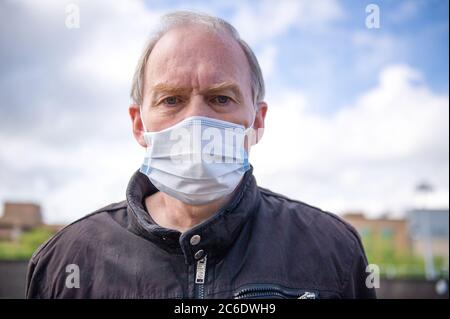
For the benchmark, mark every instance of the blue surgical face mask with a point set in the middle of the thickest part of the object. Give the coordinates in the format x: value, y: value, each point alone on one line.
x: 198, y: 160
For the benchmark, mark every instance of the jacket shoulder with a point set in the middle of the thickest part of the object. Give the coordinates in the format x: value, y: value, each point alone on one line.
x: 76, y: 227
x: 75, y: 241
x: 332, y: 242
x: 308, y: 215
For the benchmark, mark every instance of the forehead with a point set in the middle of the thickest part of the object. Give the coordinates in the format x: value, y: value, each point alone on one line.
x: 195, y: 57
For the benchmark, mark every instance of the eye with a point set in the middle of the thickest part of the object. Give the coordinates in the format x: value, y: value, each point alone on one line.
x: 171, y: 100
x: 221, y: 99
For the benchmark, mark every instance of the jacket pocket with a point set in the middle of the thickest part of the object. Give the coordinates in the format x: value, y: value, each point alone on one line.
x: 273, y: 291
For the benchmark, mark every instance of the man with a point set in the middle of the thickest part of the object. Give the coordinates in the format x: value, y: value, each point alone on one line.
x: 194, y: 223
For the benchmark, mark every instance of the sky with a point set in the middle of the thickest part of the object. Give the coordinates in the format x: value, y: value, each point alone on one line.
x: 357, y: 116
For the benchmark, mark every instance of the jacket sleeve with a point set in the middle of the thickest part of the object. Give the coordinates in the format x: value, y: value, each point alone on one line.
x: 35, y: 282
x: 31, y: 284
x: 38, y: 283
x: 355, y: 286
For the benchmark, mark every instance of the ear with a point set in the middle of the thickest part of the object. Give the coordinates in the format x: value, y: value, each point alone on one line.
x: 259, y: 121
x: 138, y: 130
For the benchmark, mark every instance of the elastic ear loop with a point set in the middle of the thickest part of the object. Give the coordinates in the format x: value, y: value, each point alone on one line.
x: 254, y: 119
x: 147, y: 159
x: 143, y: 124
x: 250, y: 135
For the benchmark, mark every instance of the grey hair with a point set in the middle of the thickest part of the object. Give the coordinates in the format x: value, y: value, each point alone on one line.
x: 177, y: 18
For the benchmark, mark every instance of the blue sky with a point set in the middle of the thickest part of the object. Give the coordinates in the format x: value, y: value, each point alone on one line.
x: 357, y: 116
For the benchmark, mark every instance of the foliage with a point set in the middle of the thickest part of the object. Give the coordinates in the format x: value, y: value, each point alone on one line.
x: 398, y: 264
x: 25, y: 246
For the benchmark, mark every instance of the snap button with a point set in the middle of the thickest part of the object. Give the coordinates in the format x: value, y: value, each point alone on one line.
x: 195, y: 240
x: 199, y: 254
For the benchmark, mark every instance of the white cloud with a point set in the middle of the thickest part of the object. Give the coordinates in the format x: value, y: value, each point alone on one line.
x: 274, y: 19
x: 89, y: 165
x: 368, y: 155
x: 68, y: 181
x: 267, y: 58
x: 118, y: 31
x: 405, y: 11
x: 375, y: 50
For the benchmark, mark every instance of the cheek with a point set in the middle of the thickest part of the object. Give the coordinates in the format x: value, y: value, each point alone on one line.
x: 242, y: 113
x: 156, y: 123
x: 153, y: 120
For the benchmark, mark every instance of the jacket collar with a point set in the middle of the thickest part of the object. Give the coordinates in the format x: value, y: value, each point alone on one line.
x: 217, y: 233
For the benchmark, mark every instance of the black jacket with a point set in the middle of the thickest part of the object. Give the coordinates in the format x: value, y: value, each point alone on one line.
x: 261, y: 244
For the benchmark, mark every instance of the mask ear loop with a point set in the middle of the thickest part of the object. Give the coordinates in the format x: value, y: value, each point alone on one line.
x: 143, y: 125
x: 249, y: 133
x: 253, y: 122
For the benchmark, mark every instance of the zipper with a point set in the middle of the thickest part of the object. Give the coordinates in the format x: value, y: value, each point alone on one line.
x: 273, y: 291
x: 200, y: 278
x: 308, y: 295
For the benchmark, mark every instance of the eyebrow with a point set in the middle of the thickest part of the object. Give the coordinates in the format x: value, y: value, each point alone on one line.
x: 211, y: 90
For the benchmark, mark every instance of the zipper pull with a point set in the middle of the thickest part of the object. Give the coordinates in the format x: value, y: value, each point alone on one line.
x: 308, y: 295
x: 201, y: 270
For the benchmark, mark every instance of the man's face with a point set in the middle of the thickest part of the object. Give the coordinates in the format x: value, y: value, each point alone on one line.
x: 194, y: 72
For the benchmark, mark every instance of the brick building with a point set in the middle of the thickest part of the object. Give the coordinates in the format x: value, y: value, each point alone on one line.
x: 19, y: 217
